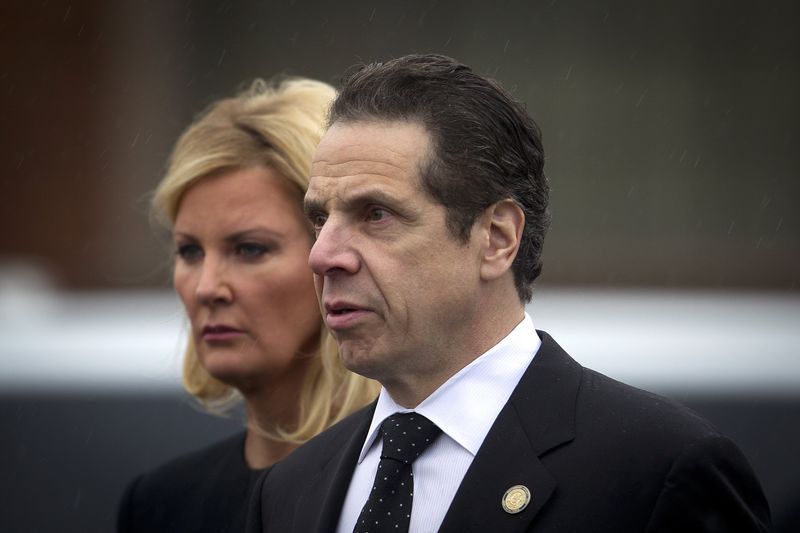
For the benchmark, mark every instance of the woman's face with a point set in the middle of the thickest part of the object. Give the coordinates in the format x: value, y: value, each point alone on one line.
x: 242, y: 273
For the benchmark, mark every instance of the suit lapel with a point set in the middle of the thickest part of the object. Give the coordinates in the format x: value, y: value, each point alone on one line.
x: 330, y: 486
x: 539, y: 416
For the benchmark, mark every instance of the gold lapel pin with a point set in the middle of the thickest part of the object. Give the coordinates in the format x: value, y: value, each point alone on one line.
x: 516, y: 499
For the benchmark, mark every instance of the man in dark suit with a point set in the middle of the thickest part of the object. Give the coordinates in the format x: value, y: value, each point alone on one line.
x: 429, y: 203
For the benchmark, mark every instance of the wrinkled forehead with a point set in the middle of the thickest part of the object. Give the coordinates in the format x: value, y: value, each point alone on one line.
x: 394, y: 142
x: 357, y: 153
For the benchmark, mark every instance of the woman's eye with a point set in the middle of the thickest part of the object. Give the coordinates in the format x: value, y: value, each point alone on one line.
x: 251, y: 250
x: 189, y: 252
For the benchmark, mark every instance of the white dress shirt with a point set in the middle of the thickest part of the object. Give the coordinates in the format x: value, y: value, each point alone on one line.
x: 464, y: 407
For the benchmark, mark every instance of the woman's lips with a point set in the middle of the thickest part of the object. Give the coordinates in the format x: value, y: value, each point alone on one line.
x: 213, y: 334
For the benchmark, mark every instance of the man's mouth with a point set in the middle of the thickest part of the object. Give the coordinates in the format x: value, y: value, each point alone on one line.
x: 341, y: 315
x: 343, y: 310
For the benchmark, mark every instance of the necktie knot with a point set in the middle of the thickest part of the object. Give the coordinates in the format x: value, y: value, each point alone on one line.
x: 406, y: 436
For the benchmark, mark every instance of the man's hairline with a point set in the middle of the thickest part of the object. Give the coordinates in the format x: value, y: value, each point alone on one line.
x: 424, y: 162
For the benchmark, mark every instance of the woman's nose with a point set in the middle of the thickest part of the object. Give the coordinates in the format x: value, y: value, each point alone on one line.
x: 213, y: 286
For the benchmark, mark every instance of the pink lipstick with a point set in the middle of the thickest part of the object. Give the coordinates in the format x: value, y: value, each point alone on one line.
x: 213, y: 334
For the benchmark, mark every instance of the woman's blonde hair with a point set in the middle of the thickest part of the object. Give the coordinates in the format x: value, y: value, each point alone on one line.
x: 276, y: 125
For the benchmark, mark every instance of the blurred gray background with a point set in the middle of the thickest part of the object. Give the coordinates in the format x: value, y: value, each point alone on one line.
x: 670, y: 130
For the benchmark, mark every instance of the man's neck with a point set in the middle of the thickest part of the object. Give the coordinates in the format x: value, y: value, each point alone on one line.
x: 409, y: 391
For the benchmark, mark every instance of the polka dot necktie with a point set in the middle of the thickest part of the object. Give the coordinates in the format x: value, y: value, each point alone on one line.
x: 388, y: 508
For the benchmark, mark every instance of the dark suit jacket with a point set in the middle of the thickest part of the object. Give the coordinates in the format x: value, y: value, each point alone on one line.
x: 202, y: 492
x: 596, y: 455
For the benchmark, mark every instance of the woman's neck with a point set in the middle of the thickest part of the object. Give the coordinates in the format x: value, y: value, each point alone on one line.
x: 266, y: 410
x: 261, y: 451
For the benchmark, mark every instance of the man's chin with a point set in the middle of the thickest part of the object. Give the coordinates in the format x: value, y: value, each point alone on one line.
x: 361, y: 358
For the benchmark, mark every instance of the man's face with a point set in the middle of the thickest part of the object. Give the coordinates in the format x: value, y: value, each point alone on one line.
x: 396, y: 288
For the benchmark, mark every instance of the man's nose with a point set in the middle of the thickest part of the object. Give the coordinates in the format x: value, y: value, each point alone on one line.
x: 213, y: 287
x: 334, y: 250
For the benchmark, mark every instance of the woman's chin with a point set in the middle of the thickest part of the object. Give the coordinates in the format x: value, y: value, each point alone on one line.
x: 231, y: 377
x: 249, y: 371
x: 233, y: 371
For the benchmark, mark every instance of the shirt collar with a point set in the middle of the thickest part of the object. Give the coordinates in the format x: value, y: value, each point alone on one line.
x: 480, y: 389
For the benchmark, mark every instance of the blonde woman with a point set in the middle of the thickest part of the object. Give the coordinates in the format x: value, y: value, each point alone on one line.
x: 233, y: 199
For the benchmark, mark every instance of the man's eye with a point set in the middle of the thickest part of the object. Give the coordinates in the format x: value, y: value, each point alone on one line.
x: 377, y: 213
x: 251, y: 250
x: 317, y: 220
x: 189, y: 252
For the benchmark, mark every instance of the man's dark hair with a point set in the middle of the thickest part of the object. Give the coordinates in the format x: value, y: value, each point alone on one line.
x: 486, y: 147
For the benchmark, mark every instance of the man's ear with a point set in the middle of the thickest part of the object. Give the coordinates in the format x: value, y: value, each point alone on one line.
x: 504, y: 221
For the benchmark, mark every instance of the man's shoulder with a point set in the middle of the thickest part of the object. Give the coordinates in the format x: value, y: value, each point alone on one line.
x: 606, y: 408
x: 674, y: 455
x: 637, y: 410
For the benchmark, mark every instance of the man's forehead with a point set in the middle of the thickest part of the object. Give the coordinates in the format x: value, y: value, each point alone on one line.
x: 373, y: 164
x: 387, y: 142
x: 355, y: 158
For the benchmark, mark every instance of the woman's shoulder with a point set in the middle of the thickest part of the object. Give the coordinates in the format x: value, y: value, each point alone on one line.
x: 173, y: 496
x: 196, y: 464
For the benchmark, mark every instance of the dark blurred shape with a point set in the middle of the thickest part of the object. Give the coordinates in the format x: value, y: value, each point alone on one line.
x: 51, y: 147
x: 788, y: 518
x: 66, y: 457
x: 669, y: 129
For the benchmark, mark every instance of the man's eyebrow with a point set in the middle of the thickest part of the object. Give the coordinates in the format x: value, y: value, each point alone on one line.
x: 372, y: 195
x: 354, y: 201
